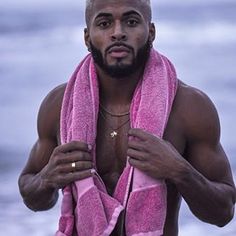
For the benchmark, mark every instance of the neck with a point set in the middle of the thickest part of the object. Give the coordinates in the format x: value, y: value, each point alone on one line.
x: 116, y: 93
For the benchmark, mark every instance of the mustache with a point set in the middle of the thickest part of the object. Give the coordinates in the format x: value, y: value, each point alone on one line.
x: 119, y: 45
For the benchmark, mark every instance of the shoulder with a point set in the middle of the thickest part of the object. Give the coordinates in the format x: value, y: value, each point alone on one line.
x: 54, y: 97
x: 49, y: 112
x: 197, y: 114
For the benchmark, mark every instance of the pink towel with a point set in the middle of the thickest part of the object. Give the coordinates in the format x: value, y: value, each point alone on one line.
x: 87, y: 208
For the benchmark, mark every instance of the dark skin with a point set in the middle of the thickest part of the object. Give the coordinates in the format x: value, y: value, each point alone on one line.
x: 189, y: 157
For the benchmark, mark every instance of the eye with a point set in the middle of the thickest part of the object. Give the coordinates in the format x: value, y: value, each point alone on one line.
x: 132, y: 22
x: 104, y: 24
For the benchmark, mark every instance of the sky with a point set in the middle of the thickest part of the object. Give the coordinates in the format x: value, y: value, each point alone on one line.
x: 56, y: 3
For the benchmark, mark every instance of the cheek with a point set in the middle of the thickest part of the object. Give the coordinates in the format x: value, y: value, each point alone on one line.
x: 139, y: 43
x: 141, y: 39
x: 98, y: 40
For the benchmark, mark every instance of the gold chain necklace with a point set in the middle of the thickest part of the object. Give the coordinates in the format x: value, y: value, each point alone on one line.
x: 112, y: 114
x: 114, y: 132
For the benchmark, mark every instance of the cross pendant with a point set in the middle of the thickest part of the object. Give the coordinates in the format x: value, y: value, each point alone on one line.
x: 113, y: 134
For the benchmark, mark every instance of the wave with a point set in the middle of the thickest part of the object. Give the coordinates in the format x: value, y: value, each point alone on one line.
x: 24, y: 17
x: 168, y: 33
x: 211, y: 33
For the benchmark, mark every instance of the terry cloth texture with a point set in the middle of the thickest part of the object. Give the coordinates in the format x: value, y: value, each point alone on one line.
x: 87, y: 209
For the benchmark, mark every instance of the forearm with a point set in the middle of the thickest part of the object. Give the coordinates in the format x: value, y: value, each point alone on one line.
x: 210, y: 201
x: 37, y: 194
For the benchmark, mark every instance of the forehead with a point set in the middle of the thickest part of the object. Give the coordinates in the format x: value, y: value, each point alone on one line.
x: 114, y: 7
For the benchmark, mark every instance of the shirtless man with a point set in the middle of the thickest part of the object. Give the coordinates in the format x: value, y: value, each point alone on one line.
x: 190, y: 157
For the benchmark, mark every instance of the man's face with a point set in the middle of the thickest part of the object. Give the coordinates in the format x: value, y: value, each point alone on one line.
x: 119, y: 36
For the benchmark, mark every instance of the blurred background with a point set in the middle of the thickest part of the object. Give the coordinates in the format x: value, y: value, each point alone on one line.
x: 41, y: 42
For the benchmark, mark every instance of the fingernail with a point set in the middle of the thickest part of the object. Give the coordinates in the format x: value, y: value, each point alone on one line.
x: 90, y: 147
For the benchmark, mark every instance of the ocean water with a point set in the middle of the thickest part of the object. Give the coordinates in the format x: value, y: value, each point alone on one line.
x: 41, y: 42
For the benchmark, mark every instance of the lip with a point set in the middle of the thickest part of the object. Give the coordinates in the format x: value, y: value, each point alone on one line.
x: 118, y: 51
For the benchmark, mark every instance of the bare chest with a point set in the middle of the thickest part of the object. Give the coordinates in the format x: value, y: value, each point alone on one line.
x: 111, y: 156
x: 112, y: 143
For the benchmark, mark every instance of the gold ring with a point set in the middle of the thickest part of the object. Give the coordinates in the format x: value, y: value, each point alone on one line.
x: 73, y: 164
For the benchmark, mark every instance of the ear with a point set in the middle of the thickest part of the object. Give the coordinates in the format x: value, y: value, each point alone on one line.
x: 152, y: 32
x: 87, y: 38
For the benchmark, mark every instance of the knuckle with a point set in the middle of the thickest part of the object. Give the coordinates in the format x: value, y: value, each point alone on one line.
x: 145, y: 156
x: 83, y: 175
x: 60, y: 169
x: 75, y: 145
x: 56, y: 150
x: 82, y: 155
x: 144, y: 167
x: 81, y: 166
x: 77, y: 166
x: 89, y: 165
x: 143, y: 146
x: 85, y: 165
x: 87, y: 156
x: 78, y: 145
x: 129, y: 152
x: 57, y: 159
x: 148, y: 145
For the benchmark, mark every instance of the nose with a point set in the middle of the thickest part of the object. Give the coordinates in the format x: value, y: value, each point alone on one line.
x: 118, y: 33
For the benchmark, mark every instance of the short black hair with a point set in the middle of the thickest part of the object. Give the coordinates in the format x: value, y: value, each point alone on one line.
x: 89, y: 6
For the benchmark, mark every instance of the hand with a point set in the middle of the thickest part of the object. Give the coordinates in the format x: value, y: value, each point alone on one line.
x: 60, y: 172
x: 152, y: 155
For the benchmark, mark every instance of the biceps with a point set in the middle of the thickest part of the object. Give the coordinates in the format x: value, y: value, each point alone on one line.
x: 210, y: 161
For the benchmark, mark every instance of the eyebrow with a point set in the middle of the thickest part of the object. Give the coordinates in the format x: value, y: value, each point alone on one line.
x: 132, y: 12
x: 104, y: 14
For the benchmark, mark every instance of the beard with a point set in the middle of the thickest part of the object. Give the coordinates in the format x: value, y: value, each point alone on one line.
x: 121, y: 70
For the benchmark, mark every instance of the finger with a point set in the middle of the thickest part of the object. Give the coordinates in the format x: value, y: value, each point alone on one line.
x: 137, y: 164
x: 74, y: 176
x: 77, y: 166
x: 73, y: 146
x: 139, y: 133
x: 136, y: 144
x: 137, y: 155
x: 76, y: 156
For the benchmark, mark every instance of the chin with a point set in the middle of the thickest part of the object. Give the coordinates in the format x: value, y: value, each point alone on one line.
x: 120, y: 62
